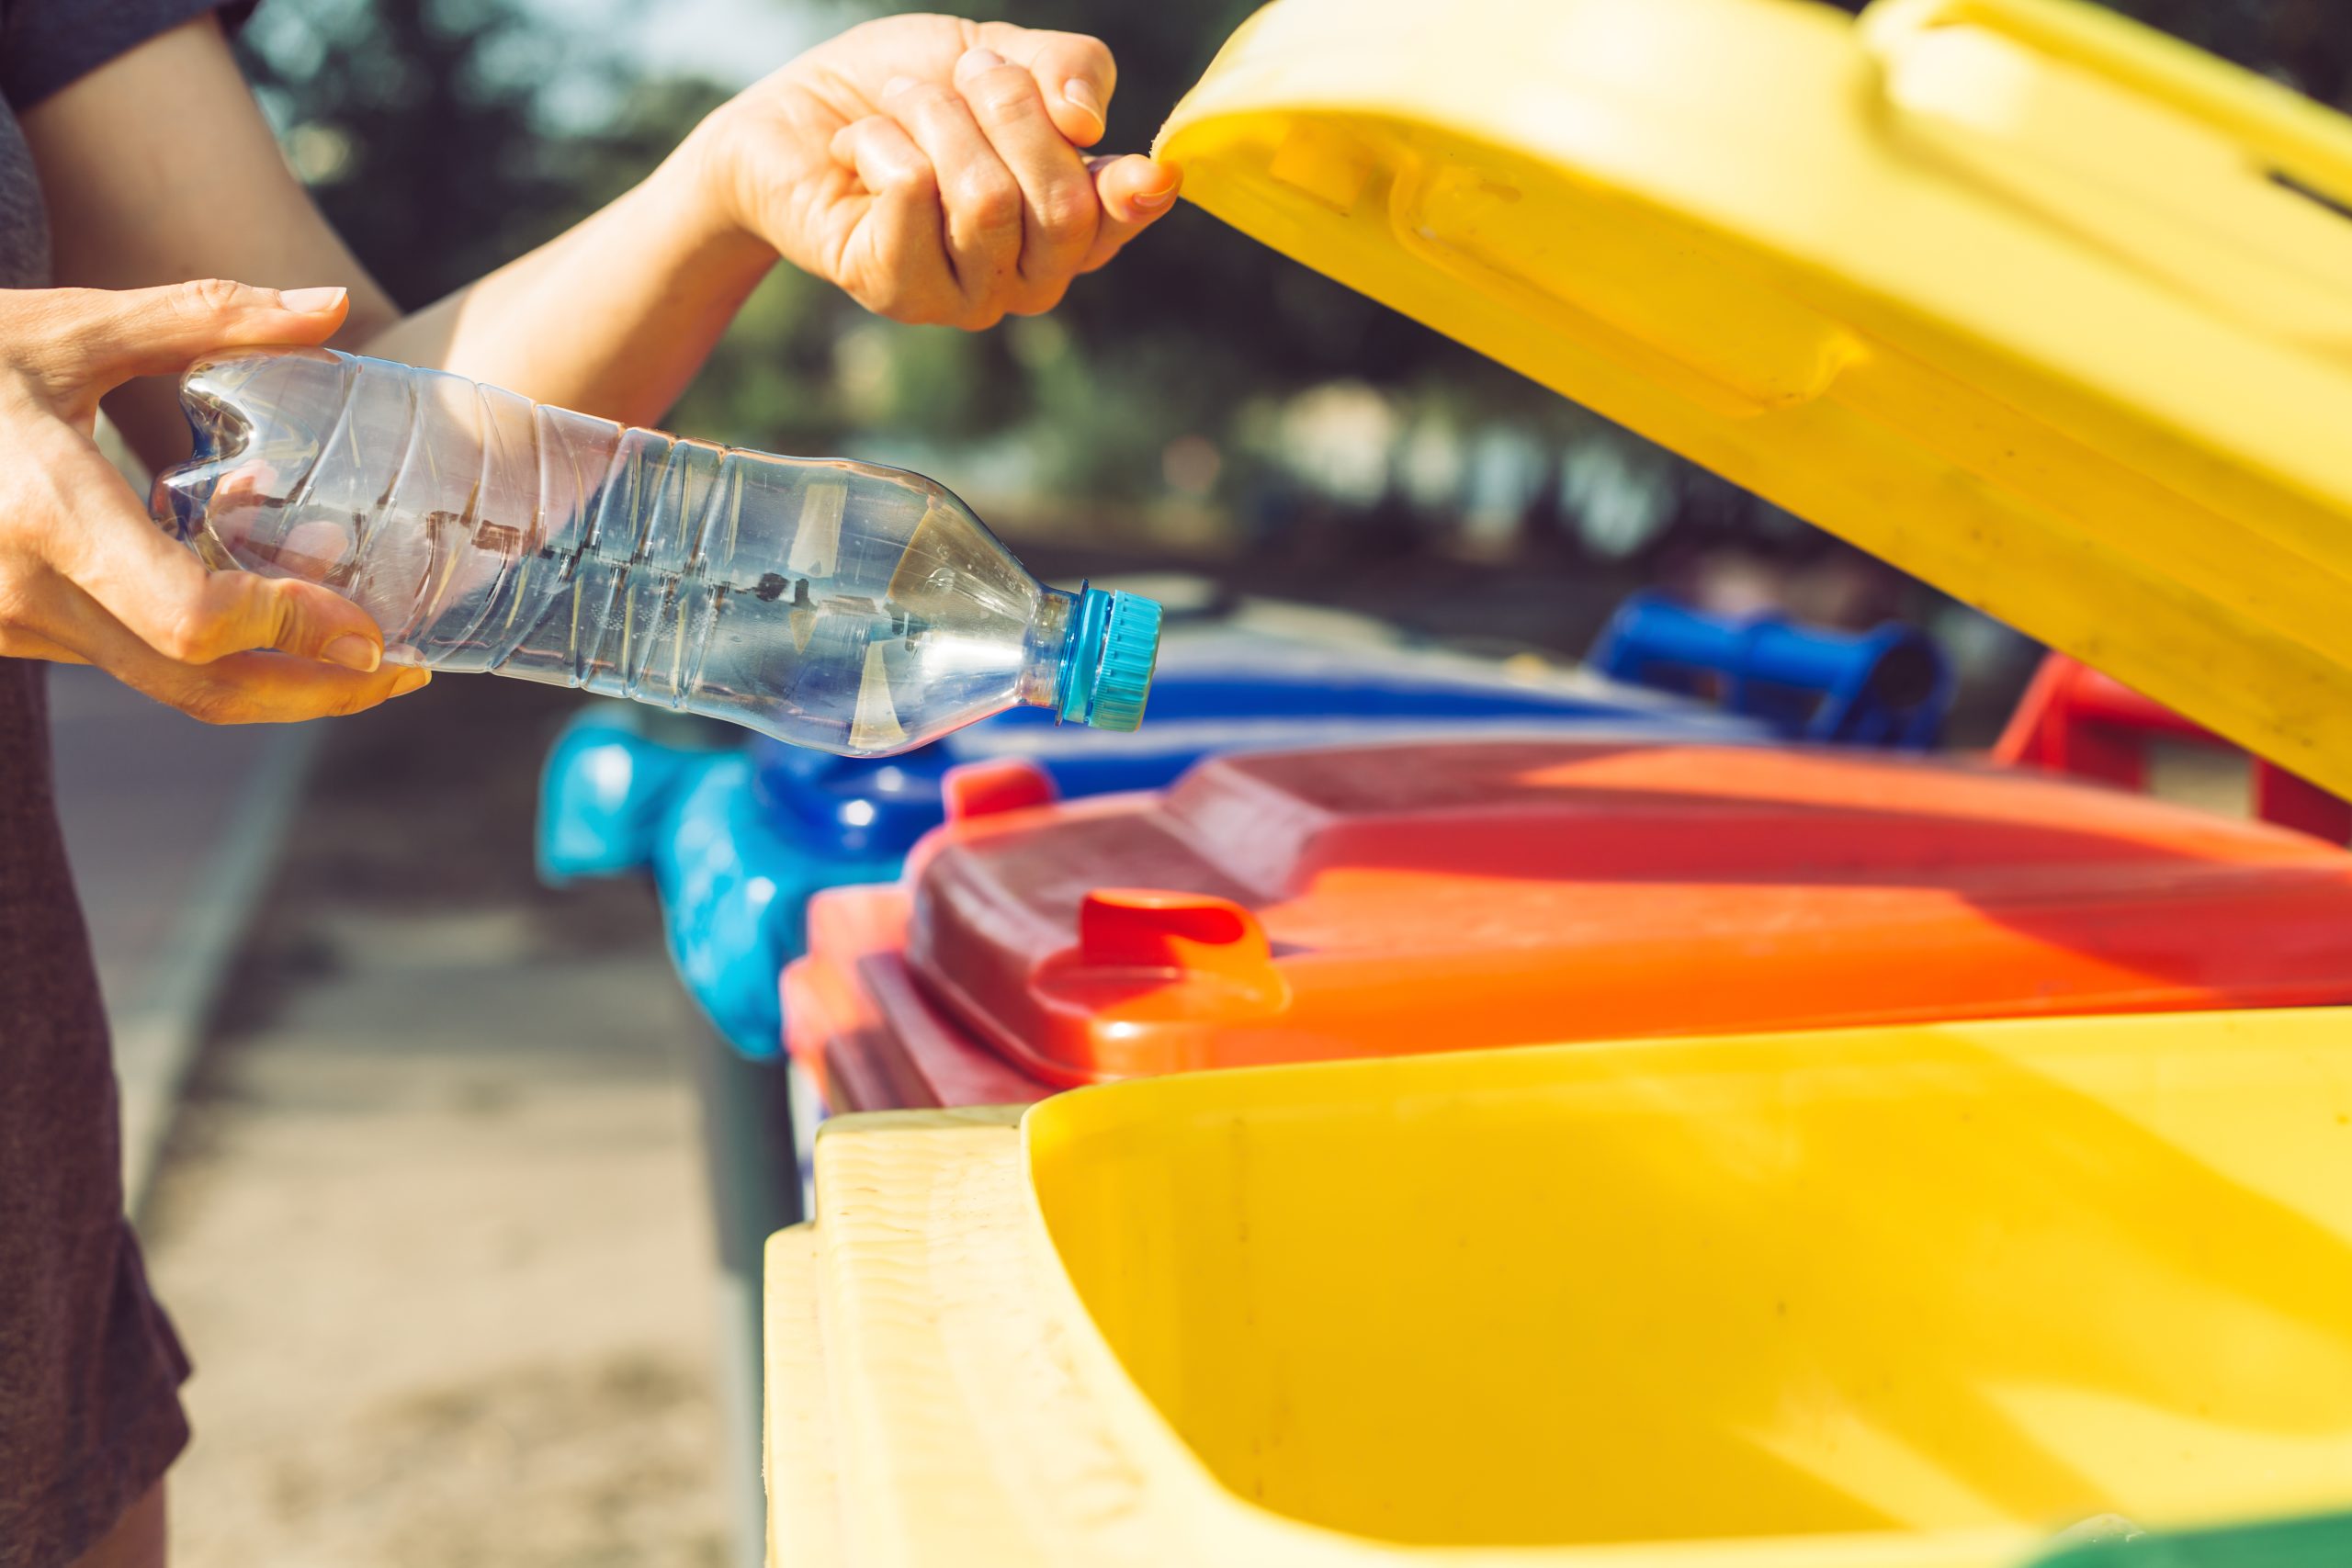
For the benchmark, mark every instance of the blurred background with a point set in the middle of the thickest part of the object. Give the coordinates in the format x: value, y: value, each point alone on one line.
x: 427, y: 1212
x: 1204, y: 401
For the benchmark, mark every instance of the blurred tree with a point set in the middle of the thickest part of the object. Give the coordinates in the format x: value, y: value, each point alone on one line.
x: 422, y: 153
x: 444, y: 137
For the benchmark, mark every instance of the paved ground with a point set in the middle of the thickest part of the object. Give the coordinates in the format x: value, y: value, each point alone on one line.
x: 430, y: 1219
x: 173, y: 828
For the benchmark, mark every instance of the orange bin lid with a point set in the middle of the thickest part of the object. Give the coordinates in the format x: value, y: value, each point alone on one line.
x: 1312, y: 905
x: 861, y: 1028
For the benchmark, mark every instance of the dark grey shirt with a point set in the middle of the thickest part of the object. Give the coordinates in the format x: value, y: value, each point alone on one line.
x: 89, y: 1369
x: 24, y: 226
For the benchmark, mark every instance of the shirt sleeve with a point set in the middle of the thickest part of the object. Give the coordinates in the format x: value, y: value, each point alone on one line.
x: 48, y: 45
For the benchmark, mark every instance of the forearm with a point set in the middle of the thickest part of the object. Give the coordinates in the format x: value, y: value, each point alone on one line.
x: 612, y: 318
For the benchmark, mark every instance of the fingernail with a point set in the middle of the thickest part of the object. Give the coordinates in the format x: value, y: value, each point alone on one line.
x: 1078, y: 93
x: 352, y: 652
x: 311, y: 302
x: 408, y: 680
x: 979, y: 60
x: 896, y: 86
x: 1153, y: 200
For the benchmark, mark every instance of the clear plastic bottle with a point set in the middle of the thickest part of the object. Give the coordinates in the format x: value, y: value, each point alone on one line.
x: 857, y: 609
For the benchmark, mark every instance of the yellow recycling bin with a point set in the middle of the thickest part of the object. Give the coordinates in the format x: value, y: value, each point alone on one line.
x: 2034, y: 303
x: 1915, y: 1298
x: 2029, y: 301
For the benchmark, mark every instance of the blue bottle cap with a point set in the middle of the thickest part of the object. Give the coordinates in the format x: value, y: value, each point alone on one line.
x: 1106, y: 672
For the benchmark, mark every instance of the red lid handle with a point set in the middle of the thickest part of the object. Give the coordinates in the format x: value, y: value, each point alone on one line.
x: 1129, y: 928
x: 991, y: 788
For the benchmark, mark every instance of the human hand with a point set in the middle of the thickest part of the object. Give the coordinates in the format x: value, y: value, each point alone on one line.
x: 87, y: 577
x: 931, y: 167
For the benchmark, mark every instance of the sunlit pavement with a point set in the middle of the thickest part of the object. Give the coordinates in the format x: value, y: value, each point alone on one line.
x: 429, y: 1214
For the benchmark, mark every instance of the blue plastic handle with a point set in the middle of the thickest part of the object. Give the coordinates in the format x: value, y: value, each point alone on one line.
x: 1891, y: 687
x: 604, y: 795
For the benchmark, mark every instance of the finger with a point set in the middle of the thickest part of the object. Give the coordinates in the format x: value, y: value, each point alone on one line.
x: 163, y: 595
x: 93, y: 339
x: 1060, y: 208
x: 1075, y: 73
x: 1135, y: 193
x: 242, y: 688
x: 262, y: 688
x: 977, y: 192
x: 20, y: 642
x: 902, y: 231
x: 36, y: 611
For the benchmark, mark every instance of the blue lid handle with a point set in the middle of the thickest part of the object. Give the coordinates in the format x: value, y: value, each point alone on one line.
x: 1889, y: 687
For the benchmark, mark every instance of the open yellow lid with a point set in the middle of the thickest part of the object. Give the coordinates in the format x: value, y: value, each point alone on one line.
x: 2030, y: 301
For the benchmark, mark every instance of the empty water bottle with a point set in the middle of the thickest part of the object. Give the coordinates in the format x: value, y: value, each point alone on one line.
x: 858, y: 609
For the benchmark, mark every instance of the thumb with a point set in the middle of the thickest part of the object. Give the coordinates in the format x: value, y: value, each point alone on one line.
x: 100, y: 338
x: 1135, y: 192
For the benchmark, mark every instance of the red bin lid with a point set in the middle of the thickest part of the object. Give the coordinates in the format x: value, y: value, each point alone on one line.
x: 1303, y: 906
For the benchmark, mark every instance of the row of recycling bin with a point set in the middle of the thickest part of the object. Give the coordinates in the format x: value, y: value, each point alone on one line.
x: 2055, y: 1224
x: 747, y: 844
x: 741, y: 840
x: 1551, y: 1226
x: 1323, y: 852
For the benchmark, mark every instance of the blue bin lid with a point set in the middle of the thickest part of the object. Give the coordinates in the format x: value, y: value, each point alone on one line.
x: 863, y: 807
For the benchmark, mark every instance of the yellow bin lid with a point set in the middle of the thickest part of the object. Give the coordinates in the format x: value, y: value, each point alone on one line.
x: 2027, y: 300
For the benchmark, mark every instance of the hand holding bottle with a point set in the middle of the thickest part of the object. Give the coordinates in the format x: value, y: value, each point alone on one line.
x: 825, y: 602
x: 85, y: 579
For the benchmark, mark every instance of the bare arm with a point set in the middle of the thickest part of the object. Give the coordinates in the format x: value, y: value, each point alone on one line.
x: 612, y: 318
x: 929, y: 166
x: 932, y: 185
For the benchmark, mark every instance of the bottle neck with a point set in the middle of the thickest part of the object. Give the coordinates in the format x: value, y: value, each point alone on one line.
x: 1089, y: 657
x: 1045, y: 661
